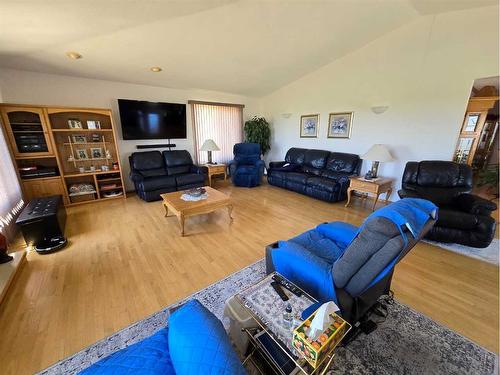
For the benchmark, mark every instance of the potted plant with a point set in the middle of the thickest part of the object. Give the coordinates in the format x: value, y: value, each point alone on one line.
x: 258, y: 130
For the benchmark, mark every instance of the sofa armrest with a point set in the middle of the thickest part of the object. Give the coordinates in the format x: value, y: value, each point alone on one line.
x: 338, y: 231
x: 199, y: 169
x: 276, y: 164
x: 261, y: 164
x: 136, y: 176
x: 232, y: 165
x: 404, y: 193
x: 474, y: 204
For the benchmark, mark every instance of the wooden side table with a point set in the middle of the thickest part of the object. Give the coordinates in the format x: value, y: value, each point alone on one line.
x: 215, y: 169
x: 376, y: 186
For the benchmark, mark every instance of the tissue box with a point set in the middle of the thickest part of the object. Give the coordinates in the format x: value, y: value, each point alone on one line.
x: 316, y: 351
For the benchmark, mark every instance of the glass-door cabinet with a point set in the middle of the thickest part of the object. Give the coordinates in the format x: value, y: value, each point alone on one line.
x: 27, y: 130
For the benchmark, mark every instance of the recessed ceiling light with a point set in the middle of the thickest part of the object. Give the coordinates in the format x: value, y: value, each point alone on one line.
x: 74, y: 55
x: 156, y: 69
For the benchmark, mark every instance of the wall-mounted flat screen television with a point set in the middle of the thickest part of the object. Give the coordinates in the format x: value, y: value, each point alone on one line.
x: 148, y: 120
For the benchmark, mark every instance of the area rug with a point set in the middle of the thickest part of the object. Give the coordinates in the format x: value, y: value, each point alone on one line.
x: 406, y: 343
x: 488, y: 254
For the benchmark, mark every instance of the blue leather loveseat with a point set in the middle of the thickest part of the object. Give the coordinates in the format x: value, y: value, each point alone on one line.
x: 194, y: 342
x: 349, y: 265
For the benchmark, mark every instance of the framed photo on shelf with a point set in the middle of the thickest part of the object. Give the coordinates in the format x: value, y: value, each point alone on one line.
x: 74, y: 123
x: 79, y: 139
x: 93, y: 124
x: 81, y: 154
x: 340, y: 125
x: 96, y: 153
x: 309, y: 125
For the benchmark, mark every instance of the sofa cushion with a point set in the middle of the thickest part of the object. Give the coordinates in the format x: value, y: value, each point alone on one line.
x: 316, y: 158
x: 189, y: 179
x: 451, y: 218
x: 444, y: 174
x: 245, y: 169
x: 246, y: 153
x: 149, y: 356
x: 295, y: 155
x: 278, y: 173
x: 296, y: 177
x: 376, y: 245
x: 178, y: 161
x: 323, y: 183
x: 157, y: 172
x: 311, y: 170
x: 156, y: 183
x: 147, y: 160
x: 342, y: 162
x: 179, y: 169
x: 198, y: 343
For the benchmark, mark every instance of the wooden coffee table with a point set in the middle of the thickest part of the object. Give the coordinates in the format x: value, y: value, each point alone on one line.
x: 183, y: 209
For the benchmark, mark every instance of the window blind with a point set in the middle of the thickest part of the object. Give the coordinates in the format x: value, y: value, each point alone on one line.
x: 11, y: 201
x: 223, y: 123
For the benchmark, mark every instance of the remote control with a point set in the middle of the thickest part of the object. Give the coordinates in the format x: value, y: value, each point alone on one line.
x: 279, y: 290
x: 287, y: 284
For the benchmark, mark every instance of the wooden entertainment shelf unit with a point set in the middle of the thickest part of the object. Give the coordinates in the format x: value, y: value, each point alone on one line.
x: 66, y: 151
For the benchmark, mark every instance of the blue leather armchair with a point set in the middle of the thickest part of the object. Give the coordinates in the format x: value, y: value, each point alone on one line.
x: 349, y: 265
x: 247, y: 168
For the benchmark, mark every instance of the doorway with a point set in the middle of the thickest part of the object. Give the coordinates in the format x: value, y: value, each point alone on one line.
x: 478, y: 140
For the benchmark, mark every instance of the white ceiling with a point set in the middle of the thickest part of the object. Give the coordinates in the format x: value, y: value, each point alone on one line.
x: 250, y: 47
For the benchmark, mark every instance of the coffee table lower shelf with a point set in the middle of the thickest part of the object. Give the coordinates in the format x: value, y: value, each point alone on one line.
x: 272, y: 358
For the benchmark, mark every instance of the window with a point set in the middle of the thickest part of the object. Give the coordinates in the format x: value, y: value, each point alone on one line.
x: 223, y: 123
x: 11, y: 201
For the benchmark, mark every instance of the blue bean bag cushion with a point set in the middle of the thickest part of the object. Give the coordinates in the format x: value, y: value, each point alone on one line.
x: 147, y: 357
x: 199, y: 344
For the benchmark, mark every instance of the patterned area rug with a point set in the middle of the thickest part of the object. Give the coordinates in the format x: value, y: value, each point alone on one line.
x: 406, y: 343
x: 488, y: 254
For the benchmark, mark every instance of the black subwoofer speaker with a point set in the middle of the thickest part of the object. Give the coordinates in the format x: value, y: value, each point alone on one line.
x: 43, y: 222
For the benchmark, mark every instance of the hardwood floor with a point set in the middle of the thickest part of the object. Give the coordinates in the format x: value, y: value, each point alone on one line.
x: 126, y: 261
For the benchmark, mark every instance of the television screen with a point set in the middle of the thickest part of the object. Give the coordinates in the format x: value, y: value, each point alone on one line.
x: 148, y: 120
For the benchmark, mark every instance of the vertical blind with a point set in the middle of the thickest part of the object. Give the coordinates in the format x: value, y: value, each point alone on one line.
x: 11, y: 201
x: 221, y: 123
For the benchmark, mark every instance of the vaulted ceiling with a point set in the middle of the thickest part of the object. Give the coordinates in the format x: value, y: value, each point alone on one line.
x: 250, y: 47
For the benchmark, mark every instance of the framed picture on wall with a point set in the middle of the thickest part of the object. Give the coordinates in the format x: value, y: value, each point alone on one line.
x: 309, y: 125
x: 340, y: 125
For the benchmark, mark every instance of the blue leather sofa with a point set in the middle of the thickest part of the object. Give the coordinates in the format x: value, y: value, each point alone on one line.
x: 194, y: 342
x: 317, y: 173
x: 247, y: 168
x: 349, y: 265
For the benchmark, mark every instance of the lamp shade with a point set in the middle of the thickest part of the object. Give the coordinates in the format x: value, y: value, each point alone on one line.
x: 209, y: 145
x: 378, y: 153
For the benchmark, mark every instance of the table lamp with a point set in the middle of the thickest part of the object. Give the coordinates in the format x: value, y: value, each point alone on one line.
x: 209, y: 146
x: 377, y: 153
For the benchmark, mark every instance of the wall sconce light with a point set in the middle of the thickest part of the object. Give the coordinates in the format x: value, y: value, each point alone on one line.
x: 286, y: 115
x: 380, y: 109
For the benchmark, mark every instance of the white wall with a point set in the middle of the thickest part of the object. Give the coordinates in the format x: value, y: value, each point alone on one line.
x: 48, y: 89
x: 424, y: 71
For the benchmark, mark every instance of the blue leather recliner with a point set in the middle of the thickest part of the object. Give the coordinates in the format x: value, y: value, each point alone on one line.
x: 349, y: 265
x: 247, y: 168
x: 194, y: 342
